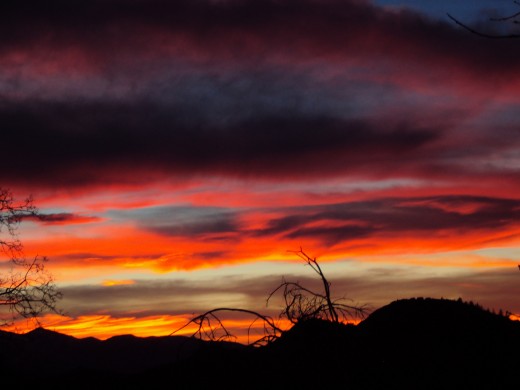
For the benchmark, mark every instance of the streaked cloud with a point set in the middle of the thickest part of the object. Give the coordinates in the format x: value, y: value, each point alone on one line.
x: 161, y: 139
x: 194, y: 89
x: 61, y: 218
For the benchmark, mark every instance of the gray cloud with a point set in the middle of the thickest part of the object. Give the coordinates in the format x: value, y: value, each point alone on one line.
x: 411, y: 216
x: 159, y: 89
x: 493, y: 289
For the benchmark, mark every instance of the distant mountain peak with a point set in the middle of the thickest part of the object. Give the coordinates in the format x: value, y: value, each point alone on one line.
x: 40, y: 329
x: 47, y: 334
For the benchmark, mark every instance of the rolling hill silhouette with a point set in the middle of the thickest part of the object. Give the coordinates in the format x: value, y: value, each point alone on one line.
x: 417, y: 343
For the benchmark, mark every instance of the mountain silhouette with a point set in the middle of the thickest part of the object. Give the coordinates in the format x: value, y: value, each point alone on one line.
x: 416, y: 343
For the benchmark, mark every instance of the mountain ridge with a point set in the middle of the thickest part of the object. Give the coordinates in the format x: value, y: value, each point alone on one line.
x: 416, y: 343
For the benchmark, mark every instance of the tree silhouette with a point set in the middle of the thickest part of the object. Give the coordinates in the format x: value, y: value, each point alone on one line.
x: 513, y: 19
x: 301, y: 304
x: 27, y: 289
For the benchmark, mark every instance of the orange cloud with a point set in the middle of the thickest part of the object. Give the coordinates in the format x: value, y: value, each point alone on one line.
x: 361, y: 229
x: 105, y: 326
x: 109, y: 283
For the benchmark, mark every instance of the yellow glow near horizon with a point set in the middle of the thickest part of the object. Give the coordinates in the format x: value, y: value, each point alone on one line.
x: 103, y: 327
x: 109, y: 282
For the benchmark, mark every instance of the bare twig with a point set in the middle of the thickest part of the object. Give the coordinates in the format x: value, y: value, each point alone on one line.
x: 510, y: 18
x: 301, y: 304
x: 27, y: 289
x: 210, y: 326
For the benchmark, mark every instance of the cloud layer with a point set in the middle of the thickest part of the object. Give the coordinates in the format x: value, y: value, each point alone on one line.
x: 99, y: 93
x: 162, y: 136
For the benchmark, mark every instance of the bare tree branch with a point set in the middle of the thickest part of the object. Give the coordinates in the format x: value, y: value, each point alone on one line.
x: 510, y: 18
x: 301, y: 304
x: 27, y: 289
x: 210, y: 326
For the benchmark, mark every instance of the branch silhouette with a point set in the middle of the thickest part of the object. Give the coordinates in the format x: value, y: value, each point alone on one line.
x: 207, y: 329
x: 27, y: 289
x: 301, y: 304
x: 510, y: 18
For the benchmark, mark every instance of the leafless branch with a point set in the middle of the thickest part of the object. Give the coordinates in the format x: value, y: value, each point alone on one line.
x: 301, y: 304
x: 28, y: 289
x: 510, y: 18
x: 211, y: 327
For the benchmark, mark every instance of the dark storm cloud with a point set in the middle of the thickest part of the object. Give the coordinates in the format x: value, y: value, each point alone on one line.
x: 96, y: 91
x: 414, y: 216
x: 249, y: 27
x: 85, y: 143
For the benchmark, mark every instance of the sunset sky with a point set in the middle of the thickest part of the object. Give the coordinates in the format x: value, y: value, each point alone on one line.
x: 178, y: 151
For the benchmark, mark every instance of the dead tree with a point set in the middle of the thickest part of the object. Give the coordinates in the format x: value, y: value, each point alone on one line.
x: 301, y: 304
x: 27, y: 289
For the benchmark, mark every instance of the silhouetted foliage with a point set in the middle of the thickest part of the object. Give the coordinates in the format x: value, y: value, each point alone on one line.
x: 301, y: 304
x: 513, y: 19
x: 27, y: 289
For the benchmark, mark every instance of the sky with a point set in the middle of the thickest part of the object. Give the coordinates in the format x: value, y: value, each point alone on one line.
x: 180, y: 152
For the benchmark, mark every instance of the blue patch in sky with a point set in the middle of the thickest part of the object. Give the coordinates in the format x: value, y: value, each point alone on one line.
x: 468, y: 10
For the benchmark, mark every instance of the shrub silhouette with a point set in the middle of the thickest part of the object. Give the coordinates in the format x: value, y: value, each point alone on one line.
x: 301, y: 305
